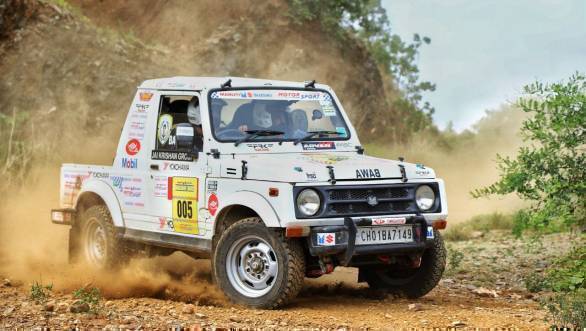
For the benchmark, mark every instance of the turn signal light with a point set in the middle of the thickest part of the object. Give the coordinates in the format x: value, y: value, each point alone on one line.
x: 440, y: 224
x: 293, y: 232
x: 273, y: 192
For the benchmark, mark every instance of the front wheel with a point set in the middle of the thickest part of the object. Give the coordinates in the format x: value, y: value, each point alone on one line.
x: 99, y: 247
x: 257, y: 267
x: 414, y: 282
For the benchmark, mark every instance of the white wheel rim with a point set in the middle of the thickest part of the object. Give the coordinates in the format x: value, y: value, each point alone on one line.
x: 252, y: 266
x: 95, y: 243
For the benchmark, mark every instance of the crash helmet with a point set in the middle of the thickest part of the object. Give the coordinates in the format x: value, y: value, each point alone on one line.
x: 193, y: 113
x: 260, y: 116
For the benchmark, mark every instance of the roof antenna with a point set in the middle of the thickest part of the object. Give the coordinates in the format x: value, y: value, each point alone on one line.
x: 309, y: 84
x: 228, y: 83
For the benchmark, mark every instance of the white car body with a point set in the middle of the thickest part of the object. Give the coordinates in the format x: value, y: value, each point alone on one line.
x: 140, y: 192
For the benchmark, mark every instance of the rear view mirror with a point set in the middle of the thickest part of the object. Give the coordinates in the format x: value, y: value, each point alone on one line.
x: 316, y: 115
x: 184, y: 133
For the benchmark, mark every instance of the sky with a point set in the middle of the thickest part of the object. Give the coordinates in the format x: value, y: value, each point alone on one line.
x: 483, y: 52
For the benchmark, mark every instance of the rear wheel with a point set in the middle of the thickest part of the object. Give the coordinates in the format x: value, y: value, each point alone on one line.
x: 256, y: 266
x: 413, y: 282
x: 99, y: 246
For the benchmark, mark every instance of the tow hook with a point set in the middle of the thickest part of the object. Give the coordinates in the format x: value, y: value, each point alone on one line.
x: 384, y: 259
x: 416, y: 261
x: 326, y: 265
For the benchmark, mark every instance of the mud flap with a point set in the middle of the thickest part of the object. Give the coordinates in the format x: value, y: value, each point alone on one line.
x: 73, y: 256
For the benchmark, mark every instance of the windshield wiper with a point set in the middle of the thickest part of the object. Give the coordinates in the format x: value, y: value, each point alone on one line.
x: 312, y: 134
x: 251, y: 134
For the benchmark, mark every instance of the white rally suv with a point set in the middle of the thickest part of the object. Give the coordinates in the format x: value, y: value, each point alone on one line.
x: 265, y: 178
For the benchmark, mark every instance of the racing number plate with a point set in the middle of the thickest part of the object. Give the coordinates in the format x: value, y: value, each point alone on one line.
x: 376, y: 235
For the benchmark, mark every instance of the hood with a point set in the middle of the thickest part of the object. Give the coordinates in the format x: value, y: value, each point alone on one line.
x: 313, y: 167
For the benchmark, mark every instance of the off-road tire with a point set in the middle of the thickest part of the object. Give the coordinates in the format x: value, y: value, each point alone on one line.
x: 413, y: 283
x: 114, y: 251
x: 289, y: 256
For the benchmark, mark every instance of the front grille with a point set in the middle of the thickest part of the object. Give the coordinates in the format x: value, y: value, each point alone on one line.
x: 365, y: 208
x: 363, y: 194
x: 354, y: 201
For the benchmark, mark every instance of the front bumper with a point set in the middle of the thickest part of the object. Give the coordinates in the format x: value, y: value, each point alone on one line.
x: 345, y: 238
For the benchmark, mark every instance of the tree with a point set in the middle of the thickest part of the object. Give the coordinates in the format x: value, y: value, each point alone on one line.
x: 550, y: 171
x: 367, y: 21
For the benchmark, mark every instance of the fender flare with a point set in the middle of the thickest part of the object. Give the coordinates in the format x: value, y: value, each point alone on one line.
x: 257, y: 203
x: 107, y: 194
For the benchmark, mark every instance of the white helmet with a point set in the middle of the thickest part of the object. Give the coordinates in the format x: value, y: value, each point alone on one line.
x: 193, y: 113
x: 260, y: 116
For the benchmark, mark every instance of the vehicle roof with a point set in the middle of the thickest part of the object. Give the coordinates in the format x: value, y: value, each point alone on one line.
x: 199, y: 83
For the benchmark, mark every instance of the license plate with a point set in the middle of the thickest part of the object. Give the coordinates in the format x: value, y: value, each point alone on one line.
x: 376, y: 235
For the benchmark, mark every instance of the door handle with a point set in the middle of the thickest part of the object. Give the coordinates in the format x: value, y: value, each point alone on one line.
x: 154, y: 167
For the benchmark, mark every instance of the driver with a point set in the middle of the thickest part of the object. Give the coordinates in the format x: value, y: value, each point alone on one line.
x: 194, y: 117
x: 261, y: 118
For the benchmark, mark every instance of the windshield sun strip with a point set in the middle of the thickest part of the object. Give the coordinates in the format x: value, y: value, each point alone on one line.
x: 288, y: 88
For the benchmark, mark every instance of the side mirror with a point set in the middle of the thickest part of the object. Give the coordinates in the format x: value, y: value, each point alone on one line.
x: 184, y: 133
x: 316, y: 115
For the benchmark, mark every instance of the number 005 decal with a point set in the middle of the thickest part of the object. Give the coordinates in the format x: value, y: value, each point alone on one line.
x: 184, y: 199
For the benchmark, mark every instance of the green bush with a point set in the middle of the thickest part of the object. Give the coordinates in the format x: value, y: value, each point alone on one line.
x: 567, y: 309
x: 39, y: 292
x: 455, y: 258
x: 569, y: 272
x: 90, y: 296
x: 551, y: 171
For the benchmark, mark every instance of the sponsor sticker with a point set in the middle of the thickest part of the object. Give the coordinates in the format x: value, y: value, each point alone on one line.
x: 141, y: 108
x: 272, y: 95
x: 327, y: 108
x: 213, y: 204
x: 311, y: 176
x: 389, y: 221
x: 421, y: 170
x: 171, y: 156
x: 212, y: 185
x: 164, y: 128
x: 175, y: 166
x: 183, y: 193
x: 326, y: 239
x: 368, y: 173
x: 429, y: 234
x: 133, y: 147
x: 161, y: 187
x: 129, y: 163
x: 145, y: 96
x: 260, y: 147
x: 326, y: 159
x: 101, y: 175
x: 166, y: 224
x: 318, y: 145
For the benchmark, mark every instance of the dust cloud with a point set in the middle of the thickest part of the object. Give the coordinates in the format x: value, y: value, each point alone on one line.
x: 467, y: 161
x: 33, y: 249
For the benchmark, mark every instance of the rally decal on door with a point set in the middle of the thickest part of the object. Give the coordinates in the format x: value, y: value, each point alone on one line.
x: 183, y: 194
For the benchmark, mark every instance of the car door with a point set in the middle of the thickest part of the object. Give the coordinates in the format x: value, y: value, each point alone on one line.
x: 177, y: 175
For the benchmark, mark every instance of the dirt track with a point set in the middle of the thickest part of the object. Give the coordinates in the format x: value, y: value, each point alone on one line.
x: 484, y: 290
x: 345, y: 305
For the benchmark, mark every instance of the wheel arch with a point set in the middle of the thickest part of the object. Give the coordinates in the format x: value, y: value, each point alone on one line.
x: 245, y: 204
x: 97, y: 192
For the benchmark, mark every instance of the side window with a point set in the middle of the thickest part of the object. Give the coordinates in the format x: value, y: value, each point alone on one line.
x: 179, y: 124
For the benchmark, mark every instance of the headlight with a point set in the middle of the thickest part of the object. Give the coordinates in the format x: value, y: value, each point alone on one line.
x: 424, y: 197
x: 308, y: 202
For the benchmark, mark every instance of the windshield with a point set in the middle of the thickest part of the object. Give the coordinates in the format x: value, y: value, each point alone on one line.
x: 278, y: 115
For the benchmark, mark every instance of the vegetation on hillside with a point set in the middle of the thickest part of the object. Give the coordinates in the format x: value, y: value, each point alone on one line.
x: 367, y: 21
x: 550, y: 172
